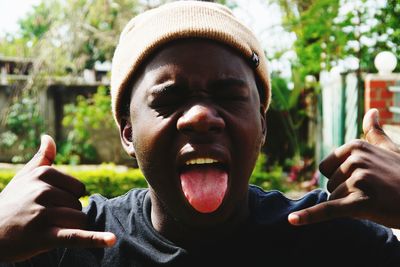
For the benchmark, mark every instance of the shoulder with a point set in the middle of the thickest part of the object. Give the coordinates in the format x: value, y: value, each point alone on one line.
x: 135, y: 195
x: 102, y: 212
x: 276, y: 205
x: 359, y: 240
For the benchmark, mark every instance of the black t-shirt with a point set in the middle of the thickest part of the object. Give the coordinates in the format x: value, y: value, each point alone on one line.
x: 266, y: 239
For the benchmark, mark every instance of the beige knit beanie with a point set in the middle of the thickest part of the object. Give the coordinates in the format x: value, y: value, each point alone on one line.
x: 182, y: 19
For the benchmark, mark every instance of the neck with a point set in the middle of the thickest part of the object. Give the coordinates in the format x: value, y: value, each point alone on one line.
x: 187, y: 234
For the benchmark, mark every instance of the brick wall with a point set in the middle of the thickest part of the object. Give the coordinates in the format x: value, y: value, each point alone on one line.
x: 378, y: 95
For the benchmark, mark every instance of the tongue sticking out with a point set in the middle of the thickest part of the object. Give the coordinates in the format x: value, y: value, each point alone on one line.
x: 204, y: 187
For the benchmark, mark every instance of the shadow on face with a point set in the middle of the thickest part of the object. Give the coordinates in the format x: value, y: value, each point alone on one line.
x: 196, y: 127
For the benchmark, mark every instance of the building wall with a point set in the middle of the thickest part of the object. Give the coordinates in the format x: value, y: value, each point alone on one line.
x: 379, y: 94
x: 383, y: 93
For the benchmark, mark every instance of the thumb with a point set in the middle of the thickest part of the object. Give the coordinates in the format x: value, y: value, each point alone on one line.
x: 374, y: 133
x: 45, y: 155
x: 47, y: 150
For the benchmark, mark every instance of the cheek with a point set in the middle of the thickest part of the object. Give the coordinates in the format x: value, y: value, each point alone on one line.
x: 247, y: 141
x: 151, y: 140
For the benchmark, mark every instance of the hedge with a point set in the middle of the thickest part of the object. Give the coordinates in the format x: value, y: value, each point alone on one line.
x: 105, y: 179
x: 111, y: 181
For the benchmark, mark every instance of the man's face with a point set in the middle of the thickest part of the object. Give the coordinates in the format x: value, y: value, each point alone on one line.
x: 197, y: 128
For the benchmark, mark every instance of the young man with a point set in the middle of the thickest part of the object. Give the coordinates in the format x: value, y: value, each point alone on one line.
x: 190, y: 91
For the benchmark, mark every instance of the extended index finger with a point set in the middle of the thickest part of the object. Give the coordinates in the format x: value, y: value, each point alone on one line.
x: 325, y: 211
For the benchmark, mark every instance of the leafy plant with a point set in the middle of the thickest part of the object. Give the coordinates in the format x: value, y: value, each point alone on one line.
x: 273, y: 178
x: 24, y: 125
x: 83, y: 118
x: 105, y: 179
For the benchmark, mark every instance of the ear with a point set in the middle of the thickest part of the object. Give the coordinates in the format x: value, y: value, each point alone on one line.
x: 125, y: 131
x: 263, y: 118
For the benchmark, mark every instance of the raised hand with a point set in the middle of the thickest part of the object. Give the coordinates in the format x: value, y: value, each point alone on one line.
x: 40, y: 210
x: 364, y: 180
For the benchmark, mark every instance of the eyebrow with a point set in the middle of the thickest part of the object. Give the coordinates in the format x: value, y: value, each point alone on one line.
x: 163, y: 88
x: 227, y: 82
x: 172, y: 86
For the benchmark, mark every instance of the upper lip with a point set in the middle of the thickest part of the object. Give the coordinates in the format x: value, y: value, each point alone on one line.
x: 190, y: 152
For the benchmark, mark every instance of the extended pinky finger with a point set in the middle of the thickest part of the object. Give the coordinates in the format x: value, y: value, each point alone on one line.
x: 61, y: 237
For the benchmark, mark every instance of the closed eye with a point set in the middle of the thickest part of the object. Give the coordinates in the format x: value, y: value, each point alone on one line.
x: 166, y: 98
x: 230, y: 89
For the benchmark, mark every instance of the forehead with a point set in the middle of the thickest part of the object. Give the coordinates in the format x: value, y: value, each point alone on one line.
x: 198, y: 58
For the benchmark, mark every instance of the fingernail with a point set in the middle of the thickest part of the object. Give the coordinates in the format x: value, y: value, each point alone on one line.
x: 377, y: 120
x: 109, y: 239
x: 294, y: 219
x: 42, y: 140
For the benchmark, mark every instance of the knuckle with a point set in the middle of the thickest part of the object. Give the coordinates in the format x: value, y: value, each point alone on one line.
x: 378, y: 131
x: 328, y: 210
x: 331, y: 185
x: 359, y: 203
x: 360, y: 178
x: 78, y: 238
x: 89, y: 240
x: 39, y: 213
x: 323, y: 162
x: 358, y: 144
x: 356, y: 161
x: 307, y: 216
x: 72, y: 238
x: 360, y: 198
x: 323, y: 166
x: 43, y: 171
x: 359, y: 175
x: 42, y: 193
x: 45, y: 189
x: 93, y: 240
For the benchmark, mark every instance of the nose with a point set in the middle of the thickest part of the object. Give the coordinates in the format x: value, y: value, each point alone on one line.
x: 200, y: 118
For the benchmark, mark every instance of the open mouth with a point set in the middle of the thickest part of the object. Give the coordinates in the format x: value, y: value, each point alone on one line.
x: 204, y: 183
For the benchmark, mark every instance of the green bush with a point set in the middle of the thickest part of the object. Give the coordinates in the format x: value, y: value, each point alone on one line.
x: 81, y: 118
x: 105, y: 180
x: 23, y: 125
x: 273, y: 178
x: 110, y: 181
x: 5, y: 177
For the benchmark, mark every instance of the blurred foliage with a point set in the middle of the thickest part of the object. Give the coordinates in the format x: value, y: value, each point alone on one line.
x: 66, y: 37
x: 105, y: 179
x: 39, y: 20
x: 273, y: 178
x: 286, y: 118
x: 81, y: 118
x: 24, y: 125
x: 110, y: 181
x: 62, y: 38
x: 329, y: 31
x: 387, y: 30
